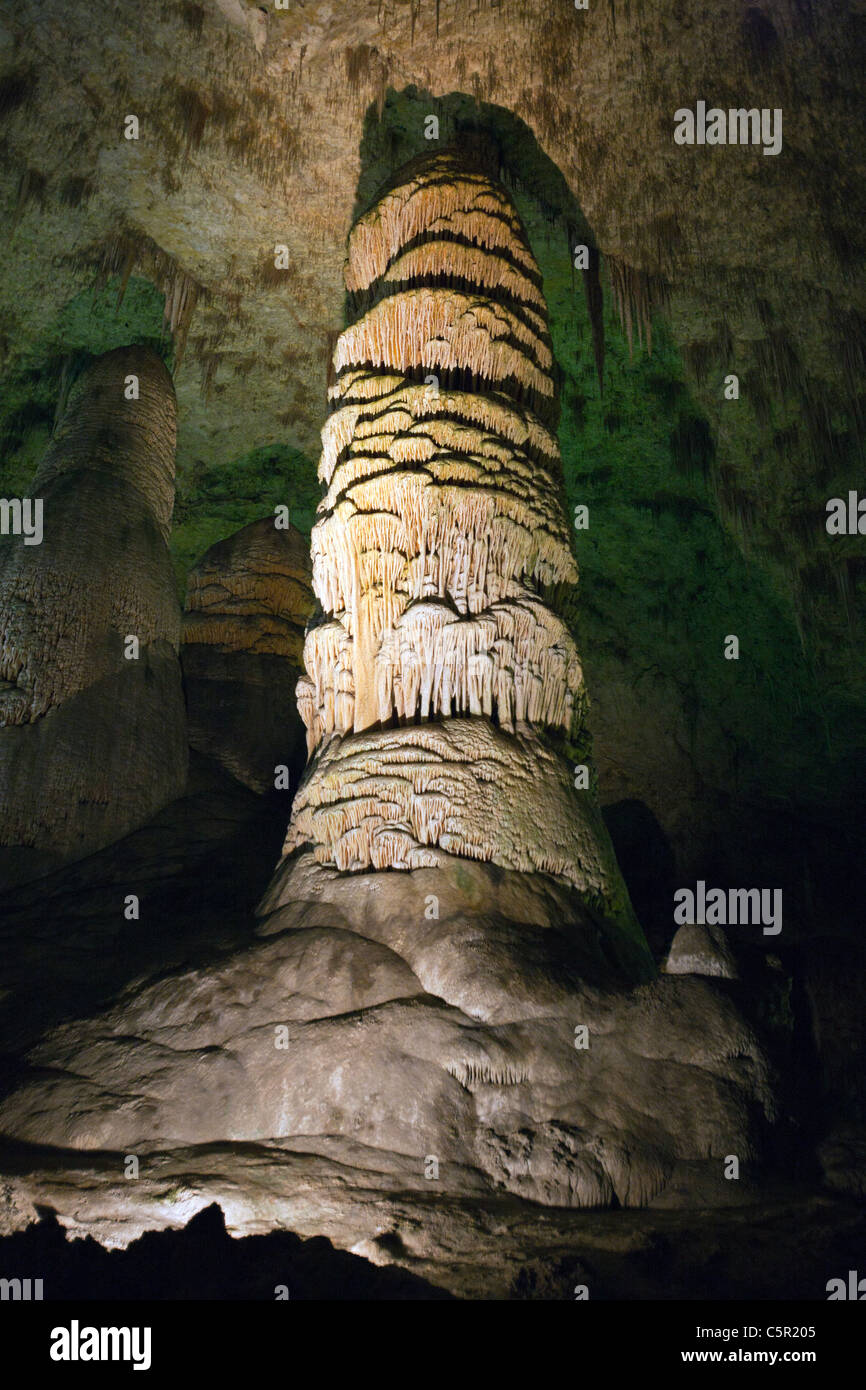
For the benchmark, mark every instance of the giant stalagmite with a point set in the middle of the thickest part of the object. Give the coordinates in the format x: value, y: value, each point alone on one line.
x: 92, y: 724
x: 443, y: 699
x: 442, y: 531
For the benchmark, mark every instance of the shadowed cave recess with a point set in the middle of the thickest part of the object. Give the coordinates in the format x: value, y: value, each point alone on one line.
x: 343, y: 903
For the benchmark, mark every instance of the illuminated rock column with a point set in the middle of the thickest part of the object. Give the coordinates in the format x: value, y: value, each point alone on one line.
x: 441, y: 533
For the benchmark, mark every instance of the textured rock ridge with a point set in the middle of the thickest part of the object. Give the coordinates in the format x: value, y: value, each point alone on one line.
x: 93, y: 739
x: 437, y: 790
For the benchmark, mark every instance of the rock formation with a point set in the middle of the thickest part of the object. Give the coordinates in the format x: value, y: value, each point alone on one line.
x: 248, y: 600
x: 92, y: 723
x: 441, y: 529
x: 701, y: 950
x: 361, y: 1029
x: 448, y: 993
x: 440, y: 694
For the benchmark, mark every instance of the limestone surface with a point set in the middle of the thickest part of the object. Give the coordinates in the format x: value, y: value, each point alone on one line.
x: 464, y: 1013
x: 698, y: 949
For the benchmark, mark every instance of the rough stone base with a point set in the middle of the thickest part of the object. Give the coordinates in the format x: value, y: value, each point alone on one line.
x: 495, y: 1043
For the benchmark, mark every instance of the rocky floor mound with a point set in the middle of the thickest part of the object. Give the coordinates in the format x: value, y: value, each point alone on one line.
x: 158, y: 1042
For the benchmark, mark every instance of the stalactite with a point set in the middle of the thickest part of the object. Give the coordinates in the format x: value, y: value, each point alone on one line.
x: 130, y: 251
x: 595, y: 308
x: 637, y: 296
x: 31, y: 189
x: 181, y: 295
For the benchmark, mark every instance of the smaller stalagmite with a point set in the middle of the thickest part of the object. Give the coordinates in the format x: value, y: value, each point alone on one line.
x: 92, y: 722
x: 248, y: 599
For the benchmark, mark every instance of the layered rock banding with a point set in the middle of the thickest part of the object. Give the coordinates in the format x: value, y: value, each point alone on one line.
x: 92, y: 726
x: 248, y: 600
x: 442, y: 526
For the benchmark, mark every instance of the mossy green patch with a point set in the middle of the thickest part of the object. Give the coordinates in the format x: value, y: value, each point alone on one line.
x: 33, y: 395
x: 662, y: 584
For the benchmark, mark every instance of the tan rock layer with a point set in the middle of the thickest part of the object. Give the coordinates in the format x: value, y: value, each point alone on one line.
x: 453, y: 260
x: 396, y: 406
x: 448, y: 450
x: 516, y: 662
x: 234, y: 631
x: 462, y: 542
x: 251, y: 593
x: 442, y: 196
x: 447, y: 330
x: 403, y: 798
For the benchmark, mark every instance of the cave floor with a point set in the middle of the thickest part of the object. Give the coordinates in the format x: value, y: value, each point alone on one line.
x: 783, y: 1244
